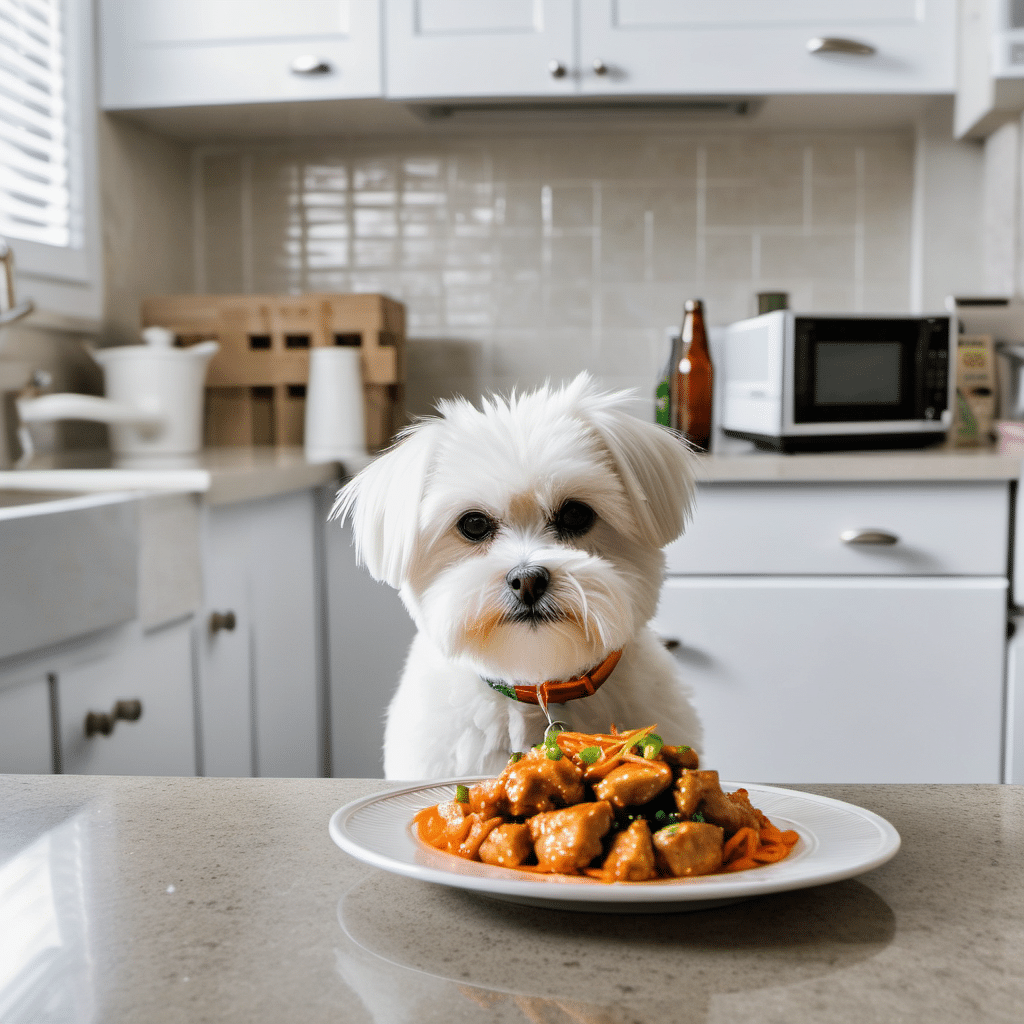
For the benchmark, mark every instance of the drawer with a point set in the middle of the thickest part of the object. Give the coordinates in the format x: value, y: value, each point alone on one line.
x: 941, y: 529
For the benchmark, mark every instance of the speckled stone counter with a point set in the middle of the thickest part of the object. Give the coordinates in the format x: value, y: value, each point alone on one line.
x: 929, y: 464
x: 193, y: 900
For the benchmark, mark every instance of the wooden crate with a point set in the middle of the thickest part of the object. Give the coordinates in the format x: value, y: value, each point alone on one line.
x: 256, y: 382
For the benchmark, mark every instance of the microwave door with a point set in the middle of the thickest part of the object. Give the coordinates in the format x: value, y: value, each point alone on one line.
x: 860, y: 375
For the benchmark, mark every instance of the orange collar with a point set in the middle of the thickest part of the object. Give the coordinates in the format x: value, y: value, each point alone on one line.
x: 558, y: 691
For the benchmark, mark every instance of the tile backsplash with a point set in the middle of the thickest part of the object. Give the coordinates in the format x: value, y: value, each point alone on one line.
x: 522, y: 258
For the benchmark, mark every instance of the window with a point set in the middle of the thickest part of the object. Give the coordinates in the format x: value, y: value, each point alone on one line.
x: 35, y: 197
x: 47, y: 155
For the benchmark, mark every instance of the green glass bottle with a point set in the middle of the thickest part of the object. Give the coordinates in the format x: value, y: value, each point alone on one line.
x: 665, y: 392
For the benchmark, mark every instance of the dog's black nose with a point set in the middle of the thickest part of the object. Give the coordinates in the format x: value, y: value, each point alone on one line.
x: 529, y: 582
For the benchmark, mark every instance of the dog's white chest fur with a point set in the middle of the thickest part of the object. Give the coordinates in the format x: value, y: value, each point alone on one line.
x: 526, y: 539
x: 445, y: 721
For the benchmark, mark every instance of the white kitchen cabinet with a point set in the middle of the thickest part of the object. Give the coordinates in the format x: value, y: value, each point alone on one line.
x: 370, y: 632
x: 867, y: 679
x: 46, y: 696
x: 181, y: 53
x: 154, y: 669
x: 446, y: 49
x: 26, y: 729
x: 262, y: 684
x: 487, y: 48
x: 812, y: 659
x: 990, y: 67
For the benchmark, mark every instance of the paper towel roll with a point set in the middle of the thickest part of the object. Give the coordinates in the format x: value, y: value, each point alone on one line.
x: 334, y: 405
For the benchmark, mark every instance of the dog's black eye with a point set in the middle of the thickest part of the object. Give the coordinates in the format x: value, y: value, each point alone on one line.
x: 574, y: 518
x: 476, y: 526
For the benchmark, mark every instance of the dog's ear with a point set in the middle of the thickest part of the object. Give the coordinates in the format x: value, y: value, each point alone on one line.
x: 383, y: 504
x: 655, y: 465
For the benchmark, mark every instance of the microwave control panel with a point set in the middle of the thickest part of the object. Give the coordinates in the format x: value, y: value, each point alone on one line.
x: 933, y: 398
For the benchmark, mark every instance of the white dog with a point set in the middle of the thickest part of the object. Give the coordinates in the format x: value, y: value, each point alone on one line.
x: 526, y: 541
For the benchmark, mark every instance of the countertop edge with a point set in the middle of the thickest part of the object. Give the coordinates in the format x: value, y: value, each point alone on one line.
x: 881, y: 467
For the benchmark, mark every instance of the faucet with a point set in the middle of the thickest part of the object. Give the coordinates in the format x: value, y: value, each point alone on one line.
x: 11, y: 310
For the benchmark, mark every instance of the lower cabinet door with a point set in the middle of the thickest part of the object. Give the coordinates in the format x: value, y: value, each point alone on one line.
x: 26, y: 734
x: 100, y: 693
x: 262, y: 686
x: 808, y: 679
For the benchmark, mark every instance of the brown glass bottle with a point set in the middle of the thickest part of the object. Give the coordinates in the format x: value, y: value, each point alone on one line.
x: 693, y: 379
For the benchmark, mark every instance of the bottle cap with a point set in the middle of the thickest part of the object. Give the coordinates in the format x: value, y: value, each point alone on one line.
x: 692, y: 305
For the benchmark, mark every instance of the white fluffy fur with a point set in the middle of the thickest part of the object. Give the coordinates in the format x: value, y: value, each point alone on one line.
x: 518, y: 460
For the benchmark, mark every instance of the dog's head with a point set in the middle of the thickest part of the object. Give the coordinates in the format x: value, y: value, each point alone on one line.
x: 525, y: 537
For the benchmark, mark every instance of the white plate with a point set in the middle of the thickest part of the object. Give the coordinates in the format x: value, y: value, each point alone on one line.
x: 837, y: 841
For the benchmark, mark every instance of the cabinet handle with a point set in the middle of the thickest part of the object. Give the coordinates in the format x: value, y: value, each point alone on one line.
x: 102, y: 722
x: 222, y: 620
x: 557, y: 69
x: 309, y: 64
x: 834, y: 44
x: 670, y: 643
x: 600, y: 68
x: 868, y: 537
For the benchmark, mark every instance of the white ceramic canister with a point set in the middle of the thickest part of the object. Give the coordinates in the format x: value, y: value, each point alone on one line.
x: 335, y: 426
x: 154, y: 397
x: 164, y: 381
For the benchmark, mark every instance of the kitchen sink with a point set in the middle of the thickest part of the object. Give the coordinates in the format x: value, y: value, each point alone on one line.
x: 44, y: 499
x: 68, y: 566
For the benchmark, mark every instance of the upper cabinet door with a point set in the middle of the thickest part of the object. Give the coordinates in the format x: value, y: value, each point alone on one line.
x: 441, y: 49
x: 179, y: 53
x: 711, y: 47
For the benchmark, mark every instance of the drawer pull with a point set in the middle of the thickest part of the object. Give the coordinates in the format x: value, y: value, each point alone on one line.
x: 556, y: 69
x: 309, y: 64
x: 833, y: 44
x: 222, y: 620
x: 102, y: 722
x: 868, y: 537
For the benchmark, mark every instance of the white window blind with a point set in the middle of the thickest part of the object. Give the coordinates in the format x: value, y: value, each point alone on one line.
x: 35, y: 194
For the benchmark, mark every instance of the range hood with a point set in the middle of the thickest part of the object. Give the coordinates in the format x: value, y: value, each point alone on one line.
x: 589, y: 110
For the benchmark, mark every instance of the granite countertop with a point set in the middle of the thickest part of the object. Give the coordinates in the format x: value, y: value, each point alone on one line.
x: 925, y: 465
x: 222, y: 475
x: 150, y: 899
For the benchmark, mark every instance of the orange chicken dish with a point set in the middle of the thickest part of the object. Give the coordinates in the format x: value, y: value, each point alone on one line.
x: 616, y: 807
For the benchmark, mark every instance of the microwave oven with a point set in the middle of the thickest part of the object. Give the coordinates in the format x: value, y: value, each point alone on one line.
x: 816, y: 382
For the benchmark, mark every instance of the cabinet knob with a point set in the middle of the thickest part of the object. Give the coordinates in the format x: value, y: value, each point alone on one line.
x: 557, y: 69
x: 103, y: 722
x: 222, y: 620
x: 868, y: 537
x: 600, y: 68
x: 309, y: 64
x: 834, y: 44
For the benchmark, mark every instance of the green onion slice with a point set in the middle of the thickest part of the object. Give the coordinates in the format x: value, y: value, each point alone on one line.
x: 651, y: 746
x: 588, y: 755
x: 462, y: 794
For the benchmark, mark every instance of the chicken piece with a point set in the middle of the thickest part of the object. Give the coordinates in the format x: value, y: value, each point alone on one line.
x: 507, y: 846
x: 732, y: 815
x: 479, y: 830
x: 689, y: 848
x: 700, y: 791
x: 631, y: 858
x: 690, y: 789
x: 568, y: 840
x: 680, y: 757
x: 631, y: 783
x: 488, y: 798
x: 535, y: 784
